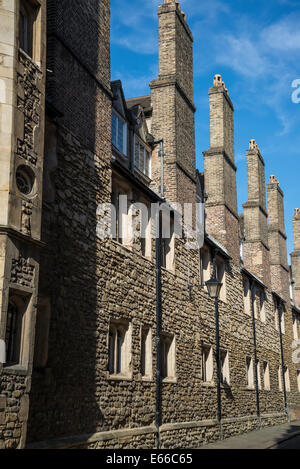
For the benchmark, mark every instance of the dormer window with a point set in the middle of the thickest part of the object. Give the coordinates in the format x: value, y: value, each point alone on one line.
x: 119, y: 133
x: 142, y: 158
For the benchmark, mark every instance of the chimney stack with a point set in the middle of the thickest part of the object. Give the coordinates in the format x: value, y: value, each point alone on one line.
x: 173, y: 107
x: 277, y: 240
x: 222, y: 220
x: 256, y: 245
x: 295, y: 256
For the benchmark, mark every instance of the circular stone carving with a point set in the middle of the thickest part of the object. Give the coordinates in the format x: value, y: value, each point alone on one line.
x: 25, y: 180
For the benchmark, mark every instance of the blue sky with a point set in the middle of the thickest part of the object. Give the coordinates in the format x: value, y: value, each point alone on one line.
x: 255, y: 46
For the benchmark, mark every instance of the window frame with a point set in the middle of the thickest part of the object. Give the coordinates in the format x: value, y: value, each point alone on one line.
x: 119, y: 363
x: 147, y: 169
x: 120, y: 119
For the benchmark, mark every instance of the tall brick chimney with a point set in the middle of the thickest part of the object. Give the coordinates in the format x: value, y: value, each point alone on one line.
x: 256, y: 245
x: 173, y: 108
x: 295, y: 256
x: 220, y: 171
x: 277, y: 240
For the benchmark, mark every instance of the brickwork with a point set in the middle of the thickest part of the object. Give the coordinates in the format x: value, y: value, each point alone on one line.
x: 295, y: 256
x: 172, y: 102
x: 256, y: 246
x: 277, y: 240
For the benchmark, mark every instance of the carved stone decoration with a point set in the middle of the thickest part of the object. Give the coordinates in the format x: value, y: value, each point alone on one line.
x: 25, y: 218
x: 28, y: 102
x: 22, y: 272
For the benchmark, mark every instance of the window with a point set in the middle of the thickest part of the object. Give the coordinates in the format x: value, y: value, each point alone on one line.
x: 221, y: 275
x: 206, y: 265
x: 266, y: 376
x: 168, y: 356
x: 249, y: 373
x: 16, y: 340
x: 224, y: 357
x: 119, y: 133
x: 146, y: 353
x: 298, y: 379
x: 296, y: 322
x: 261, y: 301
x: 280, y: 378
x: 247, y: 296
x: 13, y: 334
x: 277, y: 316
x: 287, y: 379
x: 167, y: 237
x: 207, y: 363
x: 27, y: 15
x: 258, y: 374
x: 142, y: 158
x: 119, y: 362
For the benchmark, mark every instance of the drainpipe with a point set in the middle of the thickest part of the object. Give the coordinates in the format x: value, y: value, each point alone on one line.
x: 219, y: 397
x: 158, y: 303
x: 255, y: 351
x: 278, y: 303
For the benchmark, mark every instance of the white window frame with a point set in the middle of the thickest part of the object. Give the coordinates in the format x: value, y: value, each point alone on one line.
x: 146, y: 151
x: 120, y: 120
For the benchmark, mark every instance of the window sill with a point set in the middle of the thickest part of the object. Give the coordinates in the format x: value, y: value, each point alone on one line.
x: 247, y: 388
x: 147, y: 379
x: 169, y: 380
x: 119, y: 377
x: 208, y: 384
x: 27, y: 56
x: 15, y: 370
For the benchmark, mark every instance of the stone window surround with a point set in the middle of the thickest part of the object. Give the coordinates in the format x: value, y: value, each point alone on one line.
x: 266, y: 375
x: 207, y: 354
x: 146, y: 353
x: 168, y: 358
x: 32, y: 8
x: 24, y: 301
x: 298, y: 379
x: 287, y: 379
x: 119, y: 352
x: 225, y: 369
x: 122, y: 187
x: 249, y: 373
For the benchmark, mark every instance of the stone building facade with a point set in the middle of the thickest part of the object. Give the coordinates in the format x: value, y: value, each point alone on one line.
x: 110, y: 341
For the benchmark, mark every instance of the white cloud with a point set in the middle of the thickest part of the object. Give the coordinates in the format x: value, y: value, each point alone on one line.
x: 283, y: 35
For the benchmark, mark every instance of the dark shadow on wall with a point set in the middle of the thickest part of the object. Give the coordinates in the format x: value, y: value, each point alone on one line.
x: 76, y: 179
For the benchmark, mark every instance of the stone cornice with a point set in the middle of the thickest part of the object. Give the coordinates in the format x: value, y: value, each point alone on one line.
x: 171, y: 80
x: 219, y: 151
x: 22, y: 237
